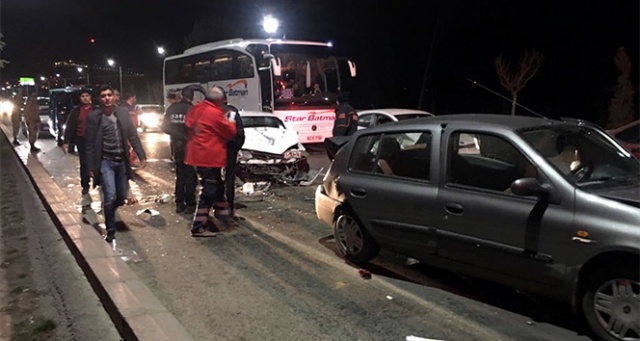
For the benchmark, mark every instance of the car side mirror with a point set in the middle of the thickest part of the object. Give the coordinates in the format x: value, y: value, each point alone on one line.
x: 528, y: 187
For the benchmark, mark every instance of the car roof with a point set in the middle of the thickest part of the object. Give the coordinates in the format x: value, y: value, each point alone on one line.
x: 394, y: 111
x: 245, y: 113
x: 477, y: 120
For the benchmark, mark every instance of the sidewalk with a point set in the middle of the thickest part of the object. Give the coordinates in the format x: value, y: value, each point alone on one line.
x: 134, y: 310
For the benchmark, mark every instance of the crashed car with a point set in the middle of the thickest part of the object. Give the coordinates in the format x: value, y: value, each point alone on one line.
x: 544, y: 206
x: 271, y: 151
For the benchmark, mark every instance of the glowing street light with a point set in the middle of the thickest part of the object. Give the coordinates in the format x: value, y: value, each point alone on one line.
x: 161, y: 50
x: 270, y: 24
x: 111, y: 63
x: 80, y: 71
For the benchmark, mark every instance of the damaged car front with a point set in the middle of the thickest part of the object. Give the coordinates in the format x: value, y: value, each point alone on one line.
x: 271, y: 151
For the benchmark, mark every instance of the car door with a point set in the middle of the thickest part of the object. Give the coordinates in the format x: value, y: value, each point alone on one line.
x: 390, y: 190
x: 483, y: 224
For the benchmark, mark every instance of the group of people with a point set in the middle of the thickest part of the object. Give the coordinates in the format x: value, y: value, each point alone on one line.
x: 31, y: 113
x: 205, y: 139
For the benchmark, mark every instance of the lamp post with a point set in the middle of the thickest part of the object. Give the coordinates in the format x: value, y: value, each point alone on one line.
x: 80, y: 71
x: 270, y: 24
x: 111, y: 62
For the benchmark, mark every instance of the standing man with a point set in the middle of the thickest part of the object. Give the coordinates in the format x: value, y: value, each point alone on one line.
x: 108, y: 132
x: 16, y: 116
x: 74, y: 135
x: 209, y: 130
x: 346, y: 122
x: 32, y: 118
x: 174, y: 125
x: 233, y: 146
x: 129, y: 104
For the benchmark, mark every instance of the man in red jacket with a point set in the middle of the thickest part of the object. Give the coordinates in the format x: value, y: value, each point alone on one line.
x: 209, y: 130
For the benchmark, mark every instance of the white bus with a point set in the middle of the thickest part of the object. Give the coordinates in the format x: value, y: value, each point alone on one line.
x: 295, y: 80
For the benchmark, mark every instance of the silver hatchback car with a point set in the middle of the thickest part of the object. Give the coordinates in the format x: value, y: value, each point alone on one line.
x: 546, y: 206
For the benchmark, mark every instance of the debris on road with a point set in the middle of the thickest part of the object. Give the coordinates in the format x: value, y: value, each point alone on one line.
x: 364, y: 274
x: 149, y: 211
x: 417, y: 338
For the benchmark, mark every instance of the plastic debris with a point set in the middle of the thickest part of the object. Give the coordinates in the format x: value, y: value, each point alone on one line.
x: 248, y: 188
x: 389, y: 297
x: 417, y: 338
x: 364, y: 274
x: 149, y: 211
x: 164, y: 198
x: 412, y: 261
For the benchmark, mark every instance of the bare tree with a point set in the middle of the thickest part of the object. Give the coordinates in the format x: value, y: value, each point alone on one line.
x: 514, y: 80
x: 3, y: 62
x: 621, y: 109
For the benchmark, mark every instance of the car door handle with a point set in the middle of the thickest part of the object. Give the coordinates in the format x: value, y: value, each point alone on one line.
x: 454, y: 208
x: 358, y: 192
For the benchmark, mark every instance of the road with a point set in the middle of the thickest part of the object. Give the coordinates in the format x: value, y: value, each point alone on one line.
x: 277, y: 276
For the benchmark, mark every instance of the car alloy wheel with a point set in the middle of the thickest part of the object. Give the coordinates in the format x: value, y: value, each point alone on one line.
x: 354, y: 242
x: 612, y: 306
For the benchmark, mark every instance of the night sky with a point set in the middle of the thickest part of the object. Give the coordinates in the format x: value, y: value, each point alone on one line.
x: 390, y: 41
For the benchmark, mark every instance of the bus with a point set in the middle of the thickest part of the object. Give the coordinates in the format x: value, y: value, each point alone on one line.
x: 297, y: 81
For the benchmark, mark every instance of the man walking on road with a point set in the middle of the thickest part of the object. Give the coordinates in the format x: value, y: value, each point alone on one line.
x: 16, y: 117
x: 233, y: 146
x: 129, y: 104
x: 209, y: 130
x: 174, y: 125
x: 32, y: 118
x: 108, y: 132
x: 74, y: 134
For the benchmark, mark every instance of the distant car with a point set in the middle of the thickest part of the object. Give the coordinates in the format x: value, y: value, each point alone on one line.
x: 150, y: 116
x: 629, y: 136
x: 373, y: 117
x: 545, y: 206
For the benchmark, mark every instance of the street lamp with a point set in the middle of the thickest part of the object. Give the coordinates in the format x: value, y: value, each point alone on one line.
x: 80, y: 71
x: 43, y: 78
x: 270, y: 24
x: 161, y: 50
x: 111, y: 62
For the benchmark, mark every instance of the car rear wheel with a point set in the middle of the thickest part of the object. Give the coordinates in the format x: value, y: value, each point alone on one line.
x: 611, y: 304
x: 354, y: 242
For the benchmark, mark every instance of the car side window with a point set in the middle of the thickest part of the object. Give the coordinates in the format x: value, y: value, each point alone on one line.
x: 486, y: 161
x: 363, y: 155
x: 382, y: 119
x: 364, y: 121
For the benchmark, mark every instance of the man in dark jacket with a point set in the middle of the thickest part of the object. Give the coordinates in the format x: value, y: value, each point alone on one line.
x: 233, y: 146
x: 74, y: 134
x: 346, y: 122
x: 108, y: 132
x: 173, y: 124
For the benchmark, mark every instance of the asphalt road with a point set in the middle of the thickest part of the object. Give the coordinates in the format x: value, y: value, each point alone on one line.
x: 276, y: 275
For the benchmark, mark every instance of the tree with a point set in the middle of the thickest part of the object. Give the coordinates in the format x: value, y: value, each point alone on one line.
x: 3, y: 62
x: 621, y: 109
x: 514, y: 81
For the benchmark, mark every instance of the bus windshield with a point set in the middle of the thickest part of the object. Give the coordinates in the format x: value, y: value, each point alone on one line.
x: 309, y: 77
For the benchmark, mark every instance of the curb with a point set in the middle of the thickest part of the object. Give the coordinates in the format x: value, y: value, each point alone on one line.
x: 134, y: 310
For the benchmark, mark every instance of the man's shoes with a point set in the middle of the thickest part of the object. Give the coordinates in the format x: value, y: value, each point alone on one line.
x: 16, y: 142
x: 189, y: 209
x: 35, y: 149
x: 111, y: 241
x: 180, y: 207
x: 202, y: 233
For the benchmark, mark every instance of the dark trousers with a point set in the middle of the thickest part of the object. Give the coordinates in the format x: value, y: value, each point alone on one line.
x: 230, y: 178
x: 185, y: 191
x: 84, y: 171
x: 212, y: 195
